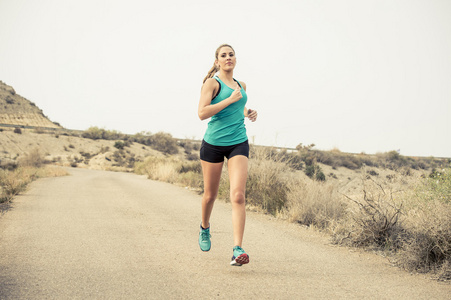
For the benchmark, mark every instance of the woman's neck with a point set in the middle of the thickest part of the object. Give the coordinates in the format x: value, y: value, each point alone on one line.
x: 226, y: 76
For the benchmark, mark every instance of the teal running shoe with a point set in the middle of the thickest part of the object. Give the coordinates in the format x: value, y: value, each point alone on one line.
x: 204, y: 239
x: 239, y: 257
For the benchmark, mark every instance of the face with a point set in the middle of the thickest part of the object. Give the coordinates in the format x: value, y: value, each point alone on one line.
x: 226, y: 59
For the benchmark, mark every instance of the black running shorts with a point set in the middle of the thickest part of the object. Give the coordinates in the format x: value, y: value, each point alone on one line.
x: 216, y: 154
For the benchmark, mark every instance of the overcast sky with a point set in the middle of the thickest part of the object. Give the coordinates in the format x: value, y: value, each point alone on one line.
x: 357, y: 75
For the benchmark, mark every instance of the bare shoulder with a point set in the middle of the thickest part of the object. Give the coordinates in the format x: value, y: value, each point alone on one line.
x: 243, y: 85
x: 210, y: 84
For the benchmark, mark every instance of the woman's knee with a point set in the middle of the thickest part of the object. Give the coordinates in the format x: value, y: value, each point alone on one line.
x: 208, y: 197
x: 237, y: 197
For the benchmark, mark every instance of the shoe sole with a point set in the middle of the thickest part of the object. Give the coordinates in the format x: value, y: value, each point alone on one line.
x: 205, y: 250
x: 240, y: 260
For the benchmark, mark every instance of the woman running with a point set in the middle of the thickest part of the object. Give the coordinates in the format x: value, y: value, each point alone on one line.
x: 223, y: 99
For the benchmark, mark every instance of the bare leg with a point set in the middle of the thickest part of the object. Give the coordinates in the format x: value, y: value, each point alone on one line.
x: 238, y: 176
x: 212, y: 176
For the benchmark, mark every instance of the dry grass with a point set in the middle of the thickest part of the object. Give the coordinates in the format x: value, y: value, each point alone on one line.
x: 30, y: 168
x: 159, y: 168
x: 315, y: 203
x: 372, y: 219
x: 406, y: 217
x: 13, y: 182
x: 397, y: 212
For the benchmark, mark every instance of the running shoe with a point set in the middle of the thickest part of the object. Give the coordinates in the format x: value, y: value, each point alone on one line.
x: 204, y: 239
x: 239, y: 257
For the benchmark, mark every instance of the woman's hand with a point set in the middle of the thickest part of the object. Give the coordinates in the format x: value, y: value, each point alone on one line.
x: 236, y: 94
x: 252, y: 115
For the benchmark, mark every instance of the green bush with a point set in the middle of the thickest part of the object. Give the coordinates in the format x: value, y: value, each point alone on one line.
x: 320, y: 175
x: 164, y: 142
x: 310, y: 171
x: 119, y: 145
x: 96, y: 133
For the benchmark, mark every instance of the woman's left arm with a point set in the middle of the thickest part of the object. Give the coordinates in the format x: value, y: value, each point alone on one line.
x: 249, y: 113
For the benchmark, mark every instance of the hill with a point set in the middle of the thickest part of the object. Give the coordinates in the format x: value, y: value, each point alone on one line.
x: 16, y: 110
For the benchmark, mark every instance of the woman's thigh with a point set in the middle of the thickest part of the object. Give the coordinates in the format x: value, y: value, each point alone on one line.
x: 238, y: 166
x: 212, y: 176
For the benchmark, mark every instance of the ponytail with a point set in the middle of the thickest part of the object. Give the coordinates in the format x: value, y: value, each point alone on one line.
x: 211, y: 73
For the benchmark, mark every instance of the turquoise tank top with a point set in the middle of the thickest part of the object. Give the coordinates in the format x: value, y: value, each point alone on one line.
x: 227, y: 127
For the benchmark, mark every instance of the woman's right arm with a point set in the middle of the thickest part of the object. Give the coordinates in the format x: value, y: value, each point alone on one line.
x: 206, y: 109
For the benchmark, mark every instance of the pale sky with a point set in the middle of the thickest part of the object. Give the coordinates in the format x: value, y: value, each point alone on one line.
x: 357, y: 75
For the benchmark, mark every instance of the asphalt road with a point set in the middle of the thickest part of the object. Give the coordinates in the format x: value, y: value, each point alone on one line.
x: 105, y: 235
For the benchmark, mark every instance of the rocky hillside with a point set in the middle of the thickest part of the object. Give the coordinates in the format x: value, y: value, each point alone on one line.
x: 16, y: 110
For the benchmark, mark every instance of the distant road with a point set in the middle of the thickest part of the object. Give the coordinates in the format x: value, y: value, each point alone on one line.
x: 105, y: 235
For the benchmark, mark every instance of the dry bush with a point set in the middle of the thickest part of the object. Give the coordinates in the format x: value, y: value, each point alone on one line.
x: 96, y: 133
x: 314, y: 203
x: 428, y: 244
x: 190, y: 174
x: 164, y: 142
x: 191, y: 179
x: 172, y: 170
x: 159, y: 168
x: 14, y: 182
x: 124, y: 159
x: 33, y: 158
x: 267, y: 186
x: 51, y: 171
x: 372, y: 221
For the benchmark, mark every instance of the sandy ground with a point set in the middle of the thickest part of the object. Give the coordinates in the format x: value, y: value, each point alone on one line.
x: 107, y: 235
x: 63, y: 150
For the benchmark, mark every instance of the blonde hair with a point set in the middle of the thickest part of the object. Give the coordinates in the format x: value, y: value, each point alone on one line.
x: 215, y: 69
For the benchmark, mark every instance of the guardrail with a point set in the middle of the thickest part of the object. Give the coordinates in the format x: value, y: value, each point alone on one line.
x: 51, y: 129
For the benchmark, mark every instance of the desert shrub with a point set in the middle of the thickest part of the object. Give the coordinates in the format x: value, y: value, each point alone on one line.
x: 266, y: 186
x: 427, y: 247
x: 9, y: 99
x: 142, y: 138
x: 33, y: 158
x: 372, y: 173
x: 319, y: 175
x: 191, y: 179
x: 314, y: 203
x: 437, y: 186
x: 159, y: 168
x: 373, y: 220
x: 191, y: 166
x: 310, y: 171
x: 294, y: 161
x: 123, y: 159
x: 14, y: 182
x: 119, y: 145
x: 193, y: 156
x: 315, y: 172
x: 17, y: 130
x: 172, y: 170
x: 164, y: 142
x: 96, y: 133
